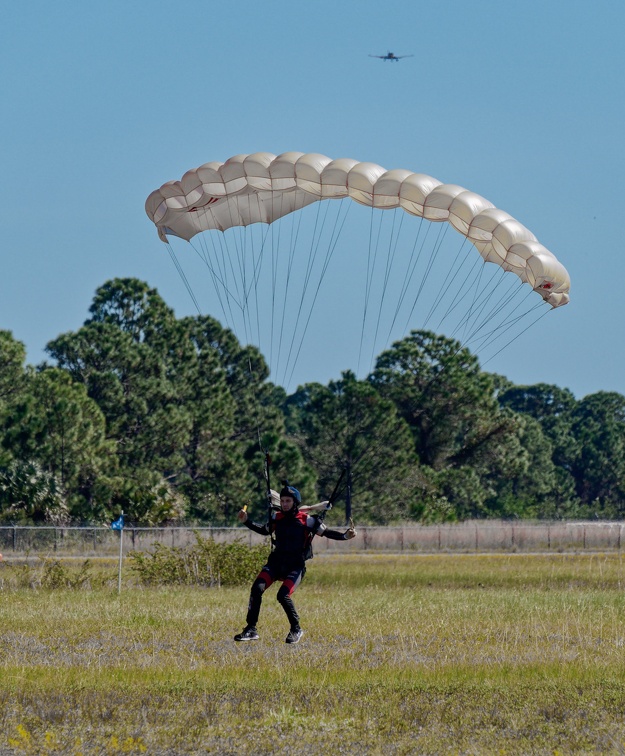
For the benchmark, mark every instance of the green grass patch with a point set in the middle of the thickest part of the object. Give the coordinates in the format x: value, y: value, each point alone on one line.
x: 401, y: 655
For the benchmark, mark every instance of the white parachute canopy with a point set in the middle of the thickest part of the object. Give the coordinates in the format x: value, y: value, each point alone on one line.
x: 287, y: 268
x: 262, y: 187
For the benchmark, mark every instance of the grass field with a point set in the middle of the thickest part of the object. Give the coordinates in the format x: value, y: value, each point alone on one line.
x: 467, y: 654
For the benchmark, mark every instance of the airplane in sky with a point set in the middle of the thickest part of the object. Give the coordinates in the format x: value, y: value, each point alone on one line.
x: 391, y: 56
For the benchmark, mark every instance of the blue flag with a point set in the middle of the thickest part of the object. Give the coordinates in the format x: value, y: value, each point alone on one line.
x: 118, y: 524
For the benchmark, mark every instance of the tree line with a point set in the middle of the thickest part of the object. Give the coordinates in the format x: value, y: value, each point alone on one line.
x: 168, y: 419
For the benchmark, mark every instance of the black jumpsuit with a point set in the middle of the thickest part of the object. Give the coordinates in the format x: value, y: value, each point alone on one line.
x: 292, y: 534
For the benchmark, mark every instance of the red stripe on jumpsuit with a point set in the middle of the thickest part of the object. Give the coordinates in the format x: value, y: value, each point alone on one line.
x: 292, y: 584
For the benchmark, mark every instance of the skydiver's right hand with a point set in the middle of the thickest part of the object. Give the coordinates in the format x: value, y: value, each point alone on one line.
x: 242, y: 515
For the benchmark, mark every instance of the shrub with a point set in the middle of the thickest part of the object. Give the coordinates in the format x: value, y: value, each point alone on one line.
x: 51, y: 574
x: 206, y: 563
x: 57, y: 575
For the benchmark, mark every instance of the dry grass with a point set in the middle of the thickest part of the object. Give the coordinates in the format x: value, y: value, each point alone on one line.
x: 463, y: 654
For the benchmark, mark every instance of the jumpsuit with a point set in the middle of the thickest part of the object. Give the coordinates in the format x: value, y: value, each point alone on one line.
x: 292, y: 533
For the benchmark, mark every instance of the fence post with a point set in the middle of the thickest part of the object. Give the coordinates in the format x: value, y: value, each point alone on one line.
x: 439, y: 537
x: 15, y: 538
x: 476, y: 538
x: 401, y: 537
x: 548, y: 536
x: 584, y: 537
x: 618, y: 542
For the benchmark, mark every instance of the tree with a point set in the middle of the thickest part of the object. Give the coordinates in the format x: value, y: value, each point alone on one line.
x: 553, y: 408
x: 348, y: 423
x: 30, y: 494
x: 128, y: 381
x: 256, y: 423
x: 212, y: 474
x: 128, y: 356
x: 183, y: 401
x: 134, y: 308
x: 440, y: 391
x: 458, y: 427
x: 55, y: 426
x: 13, y: 376
x: 599, y: 428
x: 12, y: 371
x: 119, y: 354
x: 539, y: 488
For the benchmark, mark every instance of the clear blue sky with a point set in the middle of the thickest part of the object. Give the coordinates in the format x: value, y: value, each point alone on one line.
x: 521, y: 102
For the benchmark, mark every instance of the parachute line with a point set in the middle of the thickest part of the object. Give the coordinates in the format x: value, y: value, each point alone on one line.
x: 294, y: 236
x: 444, y: 287
x: 464, y: 288
x: 407, y: 278
x: 486, y: 296
x: 225, y: 261
x: 366, y: 297
x: 505, y: 346
x: 428, y: 270
x: 332, y: 246
x: 182, y: 275
x: 306, y: 279
x: 390, y: 258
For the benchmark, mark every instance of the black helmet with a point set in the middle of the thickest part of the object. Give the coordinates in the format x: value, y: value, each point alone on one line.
x: 288, y: 490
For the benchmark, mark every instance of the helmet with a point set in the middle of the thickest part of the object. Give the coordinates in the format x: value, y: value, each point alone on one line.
x: 288, y: 490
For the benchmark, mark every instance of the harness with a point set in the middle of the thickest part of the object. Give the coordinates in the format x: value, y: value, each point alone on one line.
x: 292, y: 530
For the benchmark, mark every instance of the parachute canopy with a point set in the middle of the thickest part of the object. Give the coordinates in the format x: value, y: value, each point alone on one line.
x: 262, y: 187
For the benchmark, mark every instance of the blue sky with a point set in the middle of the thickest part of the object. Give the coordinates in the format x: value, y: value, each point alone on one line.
x: 521, y: 102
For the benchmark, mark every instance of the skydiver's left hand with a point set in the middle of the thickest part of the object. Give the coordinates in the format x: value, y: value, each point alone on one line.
x: 351, y: 531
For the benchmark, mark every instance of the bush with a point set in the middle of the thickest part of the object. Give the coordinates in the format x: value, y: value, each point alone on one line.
x: 206, y: 563
x: 52, y: 574
x: 57, y: 575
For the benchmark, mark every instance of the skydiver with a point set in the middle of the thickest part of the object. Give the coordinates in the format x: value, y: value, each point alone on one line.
x: 293, y: 529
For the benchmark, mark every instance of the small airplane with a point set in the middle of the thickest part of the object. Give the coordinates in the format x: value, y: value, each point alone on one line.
x: 391, y: 56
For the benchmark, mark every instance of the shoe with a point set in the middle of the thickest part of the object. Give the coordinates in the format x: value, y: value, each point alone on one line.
x: 294, y: 635
x: 248, y: 634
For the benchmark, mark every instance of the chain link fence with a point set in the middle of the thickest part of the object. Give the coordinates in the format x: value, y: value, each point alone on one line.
x: 467, y: 537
